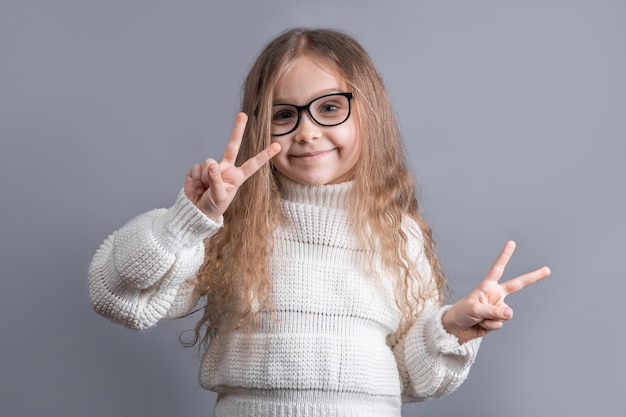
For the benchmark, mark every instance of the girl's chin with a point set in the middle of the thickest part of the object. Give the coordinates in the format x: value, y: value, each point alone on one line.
x: 318, y: 181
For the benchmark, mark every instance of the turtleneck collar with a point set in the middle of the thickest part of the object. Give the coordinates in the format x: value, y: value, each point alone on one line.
x: 331, y: 195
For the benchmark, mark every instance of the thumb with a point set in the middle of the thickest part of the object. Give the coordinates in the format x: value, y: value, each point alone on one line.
x: 214, y: 176
x: 491, y: 312
x: 212, y: 198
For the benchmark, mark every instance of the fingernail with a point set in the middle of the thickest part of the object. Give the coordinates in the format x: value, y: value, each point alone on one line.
x: 213, y: 169
x: 508, y: 313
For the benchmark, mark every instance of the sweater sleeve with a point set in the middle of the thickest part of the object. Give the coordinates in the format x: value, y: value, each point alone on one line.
x: 431, y: 361
x: 138, y: 274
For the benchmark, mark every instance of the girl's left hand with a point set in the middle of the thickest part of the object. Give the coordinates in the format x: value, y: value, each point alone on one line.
x: 483, y: 309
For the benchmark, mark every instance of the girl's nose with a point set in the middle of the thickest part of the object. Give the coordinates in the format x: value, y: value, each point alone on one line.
x: 307, y: 128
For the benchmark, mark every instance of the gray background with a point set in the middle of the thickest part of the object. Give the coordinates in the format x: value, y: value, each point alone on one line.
x: 513, y: 113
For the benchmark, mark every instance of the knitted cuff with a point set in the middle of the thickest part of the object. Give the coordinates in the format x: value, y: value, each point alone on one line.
x: 184, y: 225
x: 446, y: 343
x: 429, y: 346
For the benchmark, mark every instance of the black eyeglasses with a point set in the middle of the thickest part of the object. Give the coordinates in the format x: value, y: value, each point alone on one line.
x: 328, y: 110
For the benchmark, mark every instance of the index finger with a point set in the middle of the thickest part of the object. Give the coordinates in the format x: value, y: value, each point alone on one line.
x: 514, y: 285
x: 253, y: 164
x: 232, y: 147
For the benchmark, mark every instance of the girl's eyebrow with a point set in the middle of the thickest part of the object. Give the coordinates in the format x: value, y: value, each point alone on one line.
x: 320, y: 93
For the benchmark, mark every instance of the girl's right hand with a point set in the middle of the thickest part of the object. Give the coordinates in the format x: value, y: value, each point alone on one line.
x: 211, y: 186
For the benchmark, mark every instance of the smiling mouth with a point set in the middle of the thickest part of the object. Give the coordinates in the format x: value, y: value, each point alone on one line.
x: 312, y: 155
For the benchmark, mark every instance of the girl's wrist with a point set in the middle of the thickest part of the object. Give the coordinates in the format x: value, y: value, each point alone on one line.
x: 450, y: 326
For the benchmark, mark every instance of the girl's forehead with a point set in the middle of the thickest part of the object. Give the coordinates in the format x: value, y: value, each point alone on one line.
x: 305, y: 78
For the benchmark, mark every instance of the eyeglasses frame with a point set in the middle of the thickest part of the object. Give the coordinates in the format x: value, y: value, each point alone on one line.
x: 307, y: 107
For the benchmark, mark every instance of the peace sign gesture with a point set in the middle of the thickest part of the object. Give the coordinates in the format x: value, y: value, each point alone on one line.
x: 483, y: 309
x: 211, y: 186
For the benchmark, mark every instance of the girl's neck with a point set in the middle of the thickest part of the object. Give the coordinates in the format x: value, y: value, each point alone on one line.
x: 332, y: 195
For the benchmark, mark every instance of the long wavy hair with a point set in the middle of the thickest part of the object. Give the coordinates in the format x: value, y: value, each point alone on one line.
x: 234, y: 277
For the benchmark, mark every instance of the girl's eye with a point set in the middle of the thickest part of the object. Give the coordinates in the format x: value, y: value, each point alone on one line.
x: 328, y: 108
x: 283, y: 116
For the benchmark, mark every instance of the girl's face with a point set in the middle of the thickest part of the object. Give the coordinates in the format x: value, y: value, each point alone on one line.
x: 313, y: 154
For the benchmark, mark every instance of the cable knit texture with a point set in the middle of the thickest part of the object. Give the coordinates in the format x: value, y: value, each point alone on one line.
x: 330, y: 350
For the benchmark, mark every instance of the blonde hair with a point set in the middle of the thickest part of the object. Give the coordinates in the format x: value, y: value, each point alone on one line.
x: 234, y: 276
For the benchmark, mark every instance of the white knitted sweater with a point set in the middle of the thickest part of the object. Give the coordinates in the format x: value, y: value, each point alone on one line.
x: 332, y: 351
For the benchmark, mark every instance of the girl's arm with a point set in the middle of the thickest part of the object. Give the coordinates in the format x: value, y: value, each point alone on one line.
x: 431, y: 361
x: 435, y: 355
x: 139, y: 273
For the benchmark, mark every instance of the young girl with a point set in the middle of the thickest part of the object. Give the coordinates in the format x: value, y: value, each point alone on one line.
x: 321, y: 290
